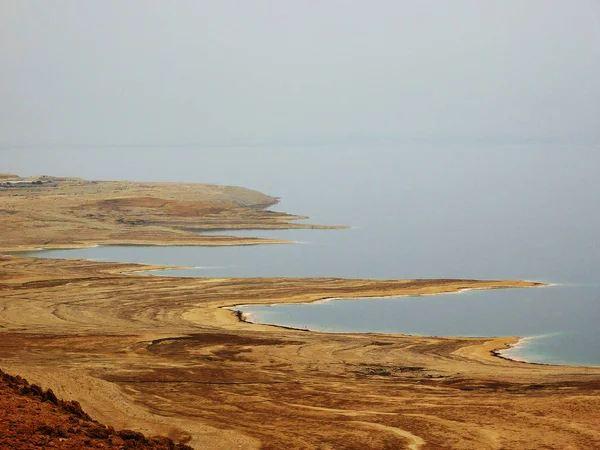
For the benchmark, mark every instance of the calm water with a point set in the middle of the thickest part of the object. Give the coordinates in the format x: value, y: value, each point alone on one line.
x: 490, y: 210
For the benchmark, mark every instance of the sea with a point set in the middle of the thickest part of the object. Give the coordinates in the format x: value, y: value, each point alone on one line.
x: 436, y: 208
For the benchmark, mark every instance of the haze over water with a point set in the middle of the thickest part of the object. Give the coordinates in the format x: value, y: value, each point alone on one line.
x: 458, y: 140
x: 484, y: 210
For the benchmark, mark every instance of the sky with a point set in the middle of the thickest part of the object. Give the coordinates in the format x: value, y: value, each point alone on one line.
x: 143, y: 72
x: 462, y: 136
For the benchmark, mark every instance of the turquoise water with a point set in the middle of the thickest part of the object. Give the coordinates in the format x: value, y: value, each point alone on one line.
x: 484, y: 210
x: 558, y: 335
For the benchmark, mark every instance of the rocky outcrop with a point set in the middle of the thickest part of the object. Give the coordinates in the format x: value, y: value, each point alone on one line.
x: 33, y: 417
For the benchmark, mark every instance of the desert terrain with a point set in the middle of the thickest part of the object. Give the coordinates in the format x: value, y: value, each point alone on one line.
x: 162, y: 356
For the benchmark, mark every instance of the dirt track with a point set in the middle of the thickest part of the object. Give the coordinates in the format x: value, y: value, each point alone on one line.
x: 159, y: 355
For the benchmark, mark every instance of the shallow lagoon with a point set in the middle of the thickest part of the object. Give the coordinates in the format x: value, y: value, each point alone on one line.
x: 560, y: 320
x: 485, y: 210
x: 559, y: 335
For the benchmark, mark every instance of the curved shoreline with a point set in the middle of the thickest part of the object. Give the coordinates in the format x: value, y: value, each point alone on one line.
x: 246, y: 317
x: 160, y: 354
x: 497, y: 352
x: 472, y: 355
x: 243, y: 318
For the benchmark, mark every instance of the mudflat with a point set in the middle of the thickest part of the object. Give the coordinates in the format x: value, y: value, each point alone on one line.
x: 160, y: 355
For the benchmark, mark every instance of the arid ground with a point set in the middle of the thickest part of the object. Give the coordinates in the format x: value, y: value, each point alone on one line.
x: 160, y: 355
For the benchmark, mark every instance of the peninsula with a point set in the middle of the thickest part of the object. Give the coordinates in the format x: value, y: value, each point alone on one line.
x: 162, y: 356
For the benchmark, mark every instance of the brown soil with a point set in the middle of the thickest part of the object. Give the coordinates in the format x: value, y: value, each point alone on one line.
x: 31, y: 417
x: 68, y: 212
x: 8, y: 177
x: 160, y: 355
x: 168, y: 207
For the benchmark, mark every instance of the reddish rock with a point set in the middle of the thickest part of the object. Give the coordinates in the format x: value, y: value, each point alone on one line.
x: 33, y: 418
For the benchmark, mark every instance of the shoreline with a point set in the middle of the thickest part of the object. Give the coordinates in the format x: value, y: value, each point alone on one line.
x: 248, y: 317
x: 82, y: 246
x: 245, y: 317
x: 521, y: 343
x: 161, y: 355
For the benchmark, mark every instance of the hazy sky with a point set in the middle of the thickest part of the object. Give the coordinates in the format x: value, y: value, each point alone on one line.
x: 157, y: 72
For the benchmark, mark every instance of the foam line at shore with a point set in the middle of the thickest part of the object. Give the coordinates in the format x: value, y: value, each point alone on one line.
x: 512, y: 352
